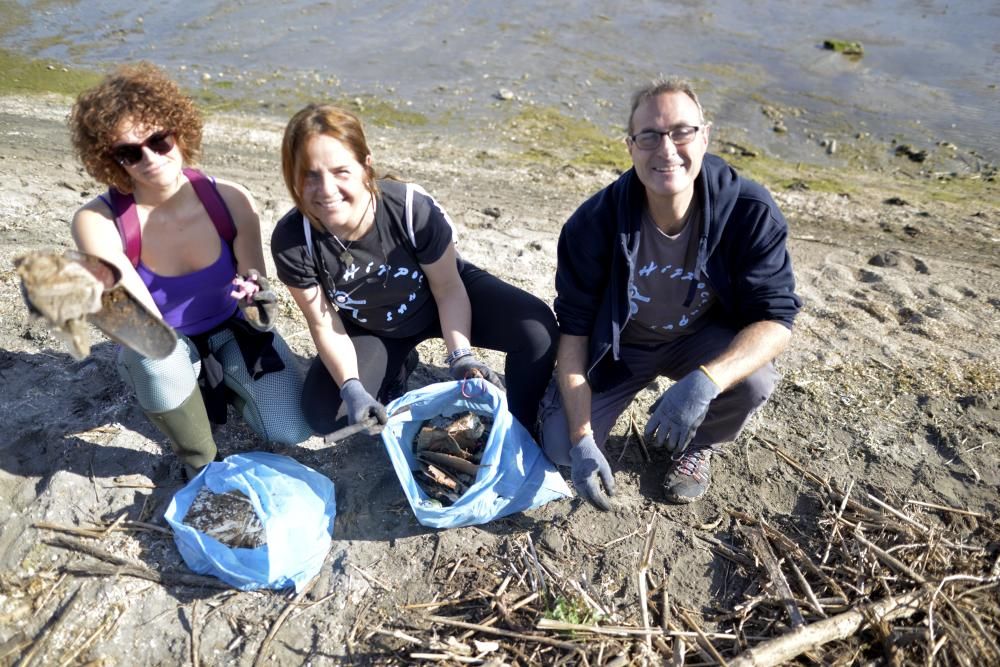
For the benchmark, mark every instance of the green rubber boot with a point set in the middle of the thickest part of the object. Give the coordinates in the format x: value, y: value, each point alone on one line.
x: 189, y: 432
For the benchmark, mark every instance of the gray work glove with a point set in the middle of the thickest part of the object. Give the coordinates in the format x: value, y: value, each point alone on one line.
x: 359, y: 404
x: 257, y: 302
x: 678, y: 413
x: 590, y: 469
x: 469, y: 366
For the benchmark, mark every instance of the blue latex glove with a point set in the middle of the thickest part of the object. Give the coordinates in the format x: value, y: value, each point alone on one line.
x: 681, y: 409
x: 589, y: 469
x: 469, y: 366
x: 359, y: 404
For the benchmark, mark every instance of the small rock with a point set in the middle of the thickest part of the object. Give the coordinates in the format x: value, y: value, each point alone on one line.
x: 888, y: 258
x: 832, y: 147
x: 780, y: 128
x: 492, y: 211
x: 896, y: 201
x: 504, y: 94
x: 553, y: 540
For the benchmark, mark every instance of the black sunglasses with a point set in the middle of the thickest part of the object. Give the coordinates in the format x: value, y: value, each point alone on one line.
x: 127, y: 155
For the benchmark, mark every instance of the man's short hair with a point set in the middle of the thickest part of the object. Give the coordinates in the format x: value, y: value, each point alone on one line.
x: 659, y: 87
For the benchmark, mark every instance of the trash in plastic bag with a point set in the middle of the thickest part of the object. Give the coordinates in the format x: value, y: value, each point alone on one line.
x: 228, y: 517
x: 449, y: 451
x: 295, y: 504
x: 513, y: 474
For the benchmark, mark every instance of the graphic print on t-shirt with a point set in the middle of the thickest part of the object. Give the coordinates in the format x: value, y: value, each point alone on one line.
x: 661, y: 284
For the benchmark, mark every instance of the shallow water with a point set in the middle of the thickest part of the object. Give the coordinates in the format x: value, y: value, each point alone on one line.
x: 929, y: 71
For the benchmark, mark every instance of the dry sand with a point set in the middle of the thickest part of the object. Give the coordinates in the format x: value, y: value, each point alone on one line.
x: 891, y: 383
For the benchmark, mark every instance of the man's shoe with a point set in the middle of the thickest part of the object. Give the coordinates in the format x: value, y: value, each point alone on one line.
x: 689, y: 478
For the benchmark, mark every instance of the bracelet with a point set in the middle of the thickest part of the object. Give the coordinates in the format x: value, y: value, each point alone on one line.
x: 714, y: 381
x: 457, y: 354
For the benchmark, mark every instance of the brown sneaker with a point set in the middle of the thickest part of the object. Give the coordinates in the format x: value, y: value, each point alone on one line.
x: 689, y: 477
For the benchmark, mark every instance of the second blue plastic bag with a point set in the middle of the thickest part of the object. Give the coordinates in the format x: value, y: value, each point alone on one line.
x: 514, y: 474
x: 295, y: 504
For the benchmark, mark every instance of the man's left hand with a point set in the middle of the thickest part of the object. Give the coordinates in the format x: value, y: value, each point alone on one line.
x: 256, y: 300
x: 681, y: 409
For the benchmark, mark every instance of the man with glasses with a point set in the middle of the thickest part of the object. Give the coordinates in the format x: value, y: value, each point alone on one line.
x: 679, y: 269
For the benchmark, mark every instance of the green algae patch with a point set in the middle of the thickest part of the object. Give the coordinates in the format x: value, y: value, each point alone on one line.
x: 549, y: 136
x: 26, y: 75
x: 854, y: 49
x: 777, y: 174
x: 379, y: 113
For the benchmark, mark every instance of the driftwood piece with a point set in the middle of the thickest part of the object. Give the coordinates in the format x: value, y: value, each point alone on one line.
x: 289, y: 608
x: 647, y: 554
x: 566, y: 646
x: 115, y: 566
x: 783, y: 649
x: 761, y: 547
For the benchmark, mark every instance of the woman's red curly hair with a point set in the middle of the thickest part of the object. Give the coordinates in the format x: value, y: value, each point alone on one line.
x: 139, y: 93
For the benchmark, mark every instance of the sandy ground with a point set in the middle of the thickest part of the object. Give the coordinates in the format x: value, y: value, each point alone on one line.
x: 892, y: 384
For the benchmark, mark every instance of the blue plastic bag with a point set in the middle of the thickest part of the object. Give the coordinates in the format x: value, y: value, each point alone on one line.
x: 295, y: 504
x: 514, y: 474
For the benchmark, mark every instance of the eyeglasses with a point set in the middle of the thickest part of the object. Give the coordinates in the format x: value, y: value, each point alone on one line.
x: 127, y: 155
x: 648, y: 140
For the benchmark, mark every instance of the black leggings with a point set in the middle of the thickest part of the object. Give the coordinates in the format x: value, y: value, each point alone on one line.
x: 504, y: 318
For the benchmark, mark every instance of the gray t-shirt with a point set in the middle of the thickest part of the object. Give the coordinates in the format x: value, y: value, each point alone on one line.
x: 661, y: 282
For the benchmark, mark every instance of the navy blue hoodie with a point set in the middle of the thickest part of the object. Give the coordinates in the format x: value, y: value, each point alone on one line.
x: 741, y: 254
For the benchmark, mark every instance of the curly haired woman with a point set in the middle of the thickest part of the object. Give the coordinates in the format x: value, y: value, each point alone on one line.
x: 189, y: 247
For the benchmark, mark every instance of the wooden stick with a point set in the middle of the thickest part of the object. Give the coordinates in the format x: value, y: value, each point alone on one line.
x: 85, y: 532
x: 139, y: 572
x: 647, y: 551
x: 703, y: 638
x: 724, y: 550
x: 370, y: 425
x: 807, y: 590
x: 625, y: 630
x: 899, y: 515
x: 762, y: 548
x: 371, y: 579
x: 638, y: 435
x: 566, y: 646
x: 71, y: 658
x: 289, y: 608
x: 788, y: 546
x: 48, y: 630
x: 194, y: 634
x: 836, y: 522
x: 783, y: 649
x: 45, y: 598
x: 946, y: 508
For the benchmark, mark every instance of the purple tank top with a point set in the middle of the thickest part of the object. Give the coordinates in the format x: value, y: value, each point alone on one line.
x: 198, y: 301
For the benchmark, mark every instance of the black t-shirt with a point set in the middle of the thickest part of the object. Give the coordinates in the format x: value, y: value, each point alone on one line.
x: 381, y: 286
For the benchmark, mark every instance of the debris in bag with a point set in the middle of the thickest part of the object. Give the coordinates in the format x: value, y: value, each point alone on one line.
x: 228, y: 517
x: 449, y: 450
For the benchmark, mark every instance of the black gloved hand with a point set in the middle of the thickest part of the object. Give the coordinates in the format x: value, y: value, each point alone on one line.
x: 469, y: 366
x: 589, y: 470
x: 359, y: 404
x: 681, y: 410
x: 257, y: 302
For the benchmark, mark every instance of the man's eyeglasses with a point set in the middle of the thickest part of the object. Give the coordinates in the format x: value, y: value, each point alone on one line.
x: 648, y: 140
x: 127, y: 155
